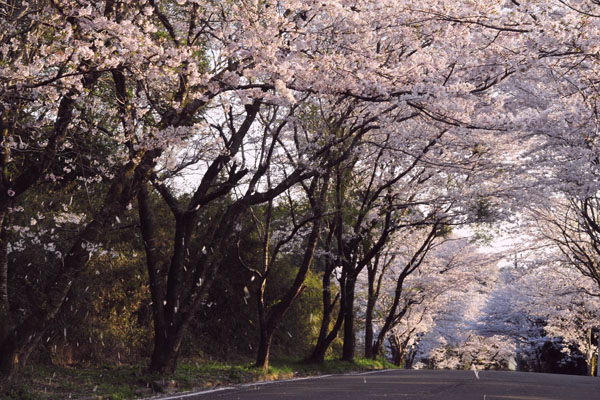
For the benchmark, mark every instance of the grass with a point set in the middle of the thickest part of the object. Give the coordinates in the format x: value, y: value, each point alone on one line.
x: 120, y: 382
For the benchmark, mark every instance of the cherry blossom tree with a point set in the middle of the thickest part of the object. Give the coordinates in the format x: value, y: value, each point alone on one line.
x: 51, y: 96
x: 560, y: 295
x: 102, y: 71
x: 559, y: 275
x: 437, y: 300
x: 368, y: 211
x: 270, y: 312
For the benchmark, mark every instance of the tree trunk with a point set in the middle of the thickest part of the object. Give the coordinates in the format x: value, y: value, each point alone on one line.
x: 325, y: 336
x: 20, y: 340
x: 410, y: 359
x: 348, y: 349
x: 369, y: 334
x: 324, y: 341
x: 592, y: 356
x: 178, y: 304
x: 149, y: 238
x: 8, y: 358
x: 598, y: 360
x: 166, y: 352
x: 390, y: 318
x: 171, y: 314
x: 369, y: 313
x: 396, y: 353
x: 264, y: 349
x: 7, y: 351
x: 278, y: 311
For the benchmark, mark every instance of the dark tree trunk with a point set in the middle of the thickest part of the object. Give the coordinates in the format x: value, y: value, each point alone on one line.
x: 178, y: 292
x: 162, y: 358
x: 166, y: 353
x: 401, y: 356
x: 371, y: 299
x: 183, y: 297
x: 7, y: 360
x: 18, y: 342
x: 410, y: 359
x: 373, y: 294
x: 369, y: 334
x: 349, y: 346
x: 391, y: 317
x: 396, y: 353
x: 326, y: 337
x: 264, y: 349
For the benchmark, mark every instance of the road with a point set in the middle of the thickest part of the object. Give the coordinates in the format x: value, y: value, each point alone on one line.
x: 411, y: 384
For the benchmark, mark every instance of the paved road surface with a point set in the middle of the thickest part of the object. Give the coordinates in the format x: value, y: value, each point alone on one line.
x: 403, y: 384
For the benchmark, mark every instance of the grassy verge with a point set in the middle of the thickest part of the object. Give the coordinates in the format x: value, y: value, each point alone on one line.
x: 114, y: 382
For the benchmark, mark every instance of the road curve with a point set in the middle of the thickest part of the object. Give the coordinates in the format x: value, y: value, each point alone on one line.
x: 411, y: 384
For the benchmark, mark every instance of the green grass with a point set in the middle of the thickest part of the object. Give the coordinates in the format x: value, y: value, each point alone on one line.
x: 112, y: 382
x: 331, y: 366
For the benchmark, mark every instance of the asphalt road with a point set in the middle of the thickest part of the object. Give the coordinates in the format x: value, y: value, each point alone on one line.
x: 411, y: 384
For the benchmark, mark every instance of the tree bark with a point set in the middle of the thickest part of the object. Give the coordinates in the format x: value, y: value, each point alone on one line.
x: 9, y: 359
x: 148, y: 231
x: 391, y: 317
x: 369, y: 329
x: 183, y: 302
x: 14, y: 351
x: 166, y: 351
x: 349, y: 346
x: 264, y: 349
x: 4, y: 305
x: 8, y: 356
x: 326, y: 337
x: 373, y: 294
x: 396, y: 353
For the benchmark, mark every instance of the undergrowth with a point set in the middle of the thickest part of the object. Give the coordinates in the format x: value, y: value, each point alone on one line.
x: 121, y: 382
